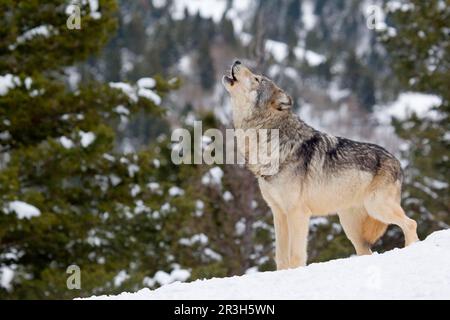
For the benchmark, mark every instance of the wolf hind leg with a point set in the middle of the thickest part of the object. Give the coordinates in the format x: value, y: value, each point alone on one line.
x: 389, y: 211
x: 360, y: 229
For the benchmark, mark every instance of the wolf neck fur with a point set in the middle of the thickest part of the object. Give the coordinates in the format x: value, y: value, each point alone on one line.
x: 288, y: 124
x: 285, y: 121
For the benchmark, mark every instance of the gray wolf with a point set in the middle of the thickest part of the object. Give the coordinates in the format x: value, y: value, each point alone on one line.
x: 319, y: 174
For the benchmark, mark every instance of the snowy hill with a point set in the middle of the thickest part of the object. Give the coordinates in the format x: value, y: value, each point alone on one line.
x: 421, y: 271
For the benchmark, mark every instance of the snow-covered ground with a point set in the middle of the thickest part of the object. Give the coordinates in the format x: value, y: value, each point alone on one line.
x: 421, y: 271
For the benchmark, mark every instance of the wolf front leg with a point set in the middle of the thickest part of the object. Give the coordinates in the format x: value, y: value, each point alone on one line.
x: 281, y: 227
x: 281, y: 239
x: 298, y: 225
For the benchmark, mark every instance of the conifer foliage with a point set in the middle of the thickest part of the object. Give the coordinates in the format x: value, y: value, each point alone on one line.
x: 420, y: 49
x: 67, y: 195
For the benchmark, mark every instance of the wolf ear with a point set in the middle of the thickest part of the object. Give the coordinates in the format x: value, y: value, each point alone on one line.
x: 283, y: 102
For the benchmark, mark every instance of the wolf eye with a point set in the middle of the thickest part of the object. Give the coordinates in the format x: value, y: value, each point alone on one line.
x: 257, y: 80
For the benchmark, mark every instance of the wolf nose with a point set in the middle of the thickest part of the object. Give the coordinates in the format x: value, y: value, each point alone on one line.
x: 237, y: 62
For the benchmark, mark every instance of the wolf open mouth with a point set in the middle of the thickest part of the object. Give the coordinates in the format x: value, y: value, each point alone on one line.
x: 231, y: 78
x: 232, y: 74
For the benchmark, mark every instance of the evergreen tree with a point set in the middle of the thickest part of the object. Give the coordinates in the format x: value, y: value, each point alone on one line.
x: 67, y: 196
x: 227, y: 30
x: 292, y: 22
x: 135, y: 37
x: 236, y: 227
x: 358, y: 78
x: 112, y: 60
x: 205, y: 64
x: 421, y: 58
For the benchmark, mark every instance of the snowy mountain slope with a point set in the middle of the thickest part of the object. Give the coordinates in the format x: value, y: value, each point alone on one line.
x: 421, y: 271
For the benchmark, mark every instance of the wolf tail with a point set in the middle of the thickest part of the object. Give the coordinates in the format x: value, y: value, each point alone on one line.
x: 373, y: 229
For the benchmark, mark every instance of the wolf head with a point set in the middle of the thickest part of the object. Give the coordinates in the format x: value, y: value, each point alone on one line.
x: 254, y: 92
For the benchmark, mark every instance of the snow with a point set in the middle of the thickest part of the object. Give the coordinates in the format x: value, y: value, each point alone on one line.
x: 122, y: 110
x: 115, y: 180
x: 94, y: 6
x: 165, y: 207
x: 311, y: 57
x: 6, y: 277
x: 212, y: 254
x: 120, y: 278
x: 153, y: 186
x: 147, y: 82
x: 239, y: 13
x: 126, y: 88
x: 185, y: 65
x: 142, y: 89
x: 240, y: 226
x: 197, y: 238
x: 251, y: 270
x: 86, y: 138
x: 395, y: 5
x: 280, y: 50
x: 199, y: 206
x: 148, y: 282
x: 66, y: 142
x: 141, y: 207
x: 70, y: 9
x: 5, y: 135
x: 308, y: 17
x: 436, y: 184
x: 318, y: 221
x: 213, y: 176
x: 7, y: 272
x: 227, y: 196
x: 406, y: 104
x: 109, y: 157
x: 164, y: 278
x: 93, y: 240
x: 132, y: 170
x: 337, y: 94
x: 149, y: 94
x: 135, y: 190
x: 28, y: 82
x: 245, y: 38
x: 420, y: 271
x: 159, y: 3
x: 206, y: 9
x: 447, y: 136
x: 180, y: 275
x: 23, y: 210
x: 8, y: 82
x: 176, y: 191
x: 40, y: 31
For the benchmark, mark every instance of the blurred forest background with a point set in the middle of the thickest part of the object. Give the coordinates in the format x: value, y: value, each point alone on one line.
x: 86, y: 116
